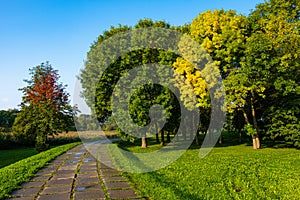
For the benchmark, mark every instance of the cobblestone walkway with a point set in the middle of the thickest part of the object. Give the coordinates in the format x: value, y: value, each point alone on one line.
x: 76, y: 174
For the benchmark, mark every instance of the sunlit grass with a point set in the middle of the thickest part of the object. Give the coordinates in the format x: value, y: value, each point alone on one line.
x: 233, y: 172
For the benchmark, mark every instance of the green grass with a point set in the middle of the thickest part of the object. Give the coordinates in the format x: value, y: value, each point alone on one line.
x: 22, y: 171
x: 10, y: 156
x: 234, y: 172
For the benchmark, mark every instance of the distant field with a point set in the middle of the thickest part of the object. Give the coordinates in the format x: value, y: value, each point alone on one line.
x: 9, y: 156
x: 75, y: 134
x: 234, y: 172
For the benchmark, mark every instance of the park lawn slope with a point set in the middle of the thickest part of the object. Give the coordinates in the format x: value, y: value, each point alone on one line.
x: 235, y: 172
x: 22, y: 171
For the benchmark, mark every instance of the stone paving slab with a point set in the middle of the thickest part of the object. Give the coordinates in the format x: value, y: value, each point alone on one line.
x: 89, y: 195
x: 56, y: 189
x: 87, y: 176
x: 44, y: 172
x: 119, y: 194
x: 32, y: 184
x: 117, y: 185
x: 64, y: 196
x: 26, y: 192
x: 40, y: 178
x: 23, y: 198
x: 90, y: 174
x: 67, y: 181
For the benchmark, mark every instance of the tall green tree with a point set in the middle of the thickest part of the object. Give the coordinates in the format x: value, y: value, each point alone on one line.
x: 277, y: 23
x: 148, y: 94
x: 223, y: 35
x: 45, y: 108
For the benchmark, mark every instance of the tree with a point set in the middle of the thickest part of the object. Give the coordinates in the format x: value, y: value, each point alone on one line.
x: 277, y: 23
x: 223, y: 35
x: 45, y: 108
x: 265, y: 85
x: 149, y: 94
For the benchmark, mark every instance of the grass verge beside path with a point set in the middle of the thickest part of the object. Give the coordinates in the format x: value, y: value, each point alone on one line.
x: 234, y: 172
x: 14, y: 175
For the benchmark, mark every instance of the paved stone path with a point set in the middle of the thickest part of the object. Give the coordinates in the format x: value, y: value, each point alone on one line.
x: 76, y: 174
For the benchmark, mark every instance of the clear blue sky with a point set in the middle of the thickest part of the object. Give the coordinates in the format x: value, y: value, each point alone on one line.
x: 61, y: 31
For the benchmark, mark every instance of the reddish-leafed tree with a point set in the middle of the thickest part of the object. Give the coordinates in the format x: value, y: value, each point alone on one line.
x: 45, y: 107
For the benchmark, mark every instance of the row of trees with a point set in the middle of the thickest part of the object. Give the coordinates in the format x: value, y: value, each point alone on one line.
x: 257, y: 57
x: 7, y: 118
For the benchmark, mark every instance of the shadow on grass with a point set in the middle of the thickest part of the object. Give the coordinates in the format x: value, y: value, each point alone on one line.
x: 159, y: 180
x: 228, y: 139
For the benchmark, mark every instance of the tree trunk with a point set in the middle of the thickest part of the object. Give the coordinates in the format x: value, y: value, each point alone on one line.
x: 197, y: 138
x: 220, y: 139
x: 156, y: 135
x: 184, y: 135
x: 246, y: 117
x: 168, y: 137
x: 256, y: 136
x: 162, y: 134
x: 257, y: 141
x: 240, y: 135
x: 144, y: 142
x: 176, y: 137
x: 254, y: 140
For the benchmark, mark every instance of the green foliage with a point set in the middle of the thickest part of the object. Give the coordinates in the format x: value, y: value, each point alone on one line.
x: 249, y: 129
x: 223, y: 35
x: 7, y: 118
x: 45, y: 108
x: 235, y: 172
x: 284, y: 124
x: 41, y: 142
x: 86, y: 122
x: 22, y: 171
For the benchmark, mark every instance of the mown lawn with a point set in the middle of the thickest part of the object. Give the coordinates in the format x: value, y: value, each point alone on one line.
x: 234, y: 172
x: 10, y: 156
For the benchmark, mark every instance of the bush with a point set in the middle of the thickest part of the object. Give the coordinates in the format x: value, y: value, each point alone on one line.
x: 7, y: 140
x: 41, y: 143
